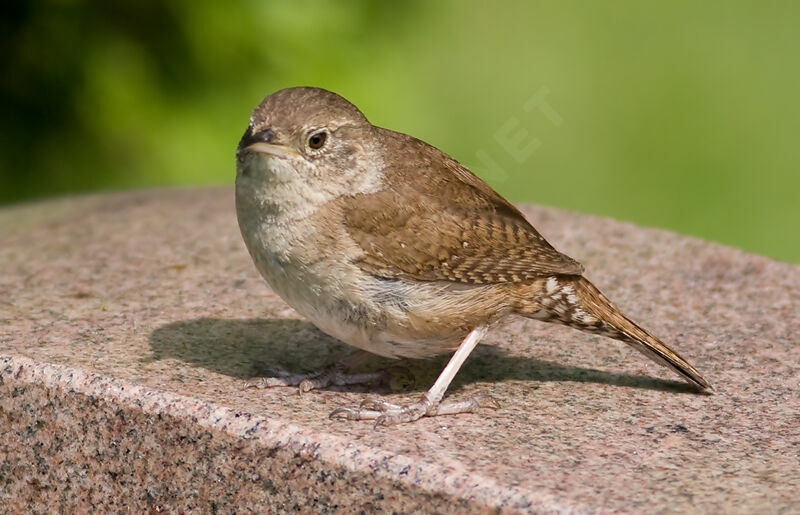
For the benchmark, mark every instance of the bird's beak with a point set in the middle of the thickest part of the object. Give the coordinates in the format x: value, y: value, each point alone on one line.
x: 268, y: 148
x: 263, y: 142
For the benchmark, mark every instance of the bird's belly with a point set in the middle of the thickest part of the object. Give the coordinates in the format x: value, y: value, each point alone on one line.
x: 328, y: 305
x: 389, y: 317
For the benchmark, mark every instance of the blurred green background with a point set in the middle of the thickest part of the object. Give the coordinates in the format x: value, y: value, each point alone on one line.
x: 682, y: 115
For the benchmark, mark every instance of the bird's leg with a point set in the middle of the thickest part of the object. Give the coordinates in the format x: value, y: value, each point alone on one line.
x: 331, y: 375
x: 431, y: 404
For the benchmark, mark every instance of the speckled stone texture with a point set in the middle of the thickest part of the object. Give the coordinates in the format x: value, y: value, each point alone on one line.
x: 129, y: 324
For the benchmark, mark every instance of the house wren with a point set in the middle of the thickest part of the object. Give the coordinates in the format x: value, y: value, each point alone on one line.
x: 393, y: 247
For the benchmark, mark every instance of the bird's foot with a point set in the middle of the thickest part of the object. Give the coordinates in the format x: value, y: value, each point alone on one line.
x: 386, y: 414
x: 333, y: 375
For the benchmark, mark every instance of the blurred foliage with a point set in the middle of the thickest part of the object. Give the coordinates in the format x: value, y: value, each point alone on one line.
x: 681, y: 115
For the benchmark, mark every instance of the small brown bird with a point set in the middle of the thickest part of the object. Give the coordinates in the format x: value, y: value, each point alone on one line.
x: 395, y: 248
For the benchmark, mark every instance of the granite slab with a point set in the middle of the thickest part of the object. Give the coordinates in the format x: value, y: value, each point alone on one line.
x: 131, y: 322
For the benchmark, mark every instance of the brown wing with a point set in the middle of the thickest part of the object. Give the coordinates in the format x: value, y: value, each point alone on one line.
x: 436, y: 221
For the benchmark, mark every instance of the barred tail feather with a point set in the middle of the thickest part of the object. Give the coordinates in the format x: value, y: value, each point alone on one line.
x: 577, y: 303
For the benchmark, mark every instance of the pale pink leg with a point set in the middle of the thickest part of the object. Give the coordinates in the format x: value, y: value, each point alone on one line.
x: 431, y: 405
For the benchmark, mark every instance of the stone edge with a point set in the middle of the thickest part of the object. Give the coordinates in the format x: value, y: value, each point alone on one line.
x: 330, y: 451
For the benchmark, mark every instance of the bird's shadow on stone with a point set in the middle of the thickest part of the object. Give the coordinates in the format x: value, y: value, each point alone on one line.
x: 248, y: 349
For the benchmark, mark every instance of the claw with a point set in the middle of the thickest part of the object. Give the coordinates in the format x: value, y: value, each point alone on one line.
x: 485, y: 401
x: 493, y: 402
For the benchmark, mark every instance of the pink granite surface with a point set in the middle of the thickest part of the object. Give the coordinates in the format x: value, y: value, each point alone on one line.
x: 129, y: 324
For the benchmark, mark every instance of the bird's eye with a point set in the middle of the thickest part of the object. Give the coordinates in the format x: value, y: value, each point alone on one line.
x: 316, y: 140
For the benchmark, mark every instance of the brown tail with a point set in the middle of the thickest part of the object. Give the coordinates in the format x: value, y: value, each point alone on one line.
x: 577, y: 303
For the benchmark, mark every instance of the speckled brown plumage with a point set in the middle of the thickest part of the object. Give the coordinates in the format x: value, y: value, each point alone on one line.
x: 435, y: 220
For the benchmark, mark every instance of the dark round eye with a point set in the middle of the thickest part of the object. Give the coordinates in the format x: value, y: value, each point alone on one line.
x: 317, y: 139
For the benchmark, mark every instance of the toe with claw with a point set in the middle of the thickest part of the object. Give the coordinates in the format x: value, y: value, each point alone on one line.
x: 386, y: 414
